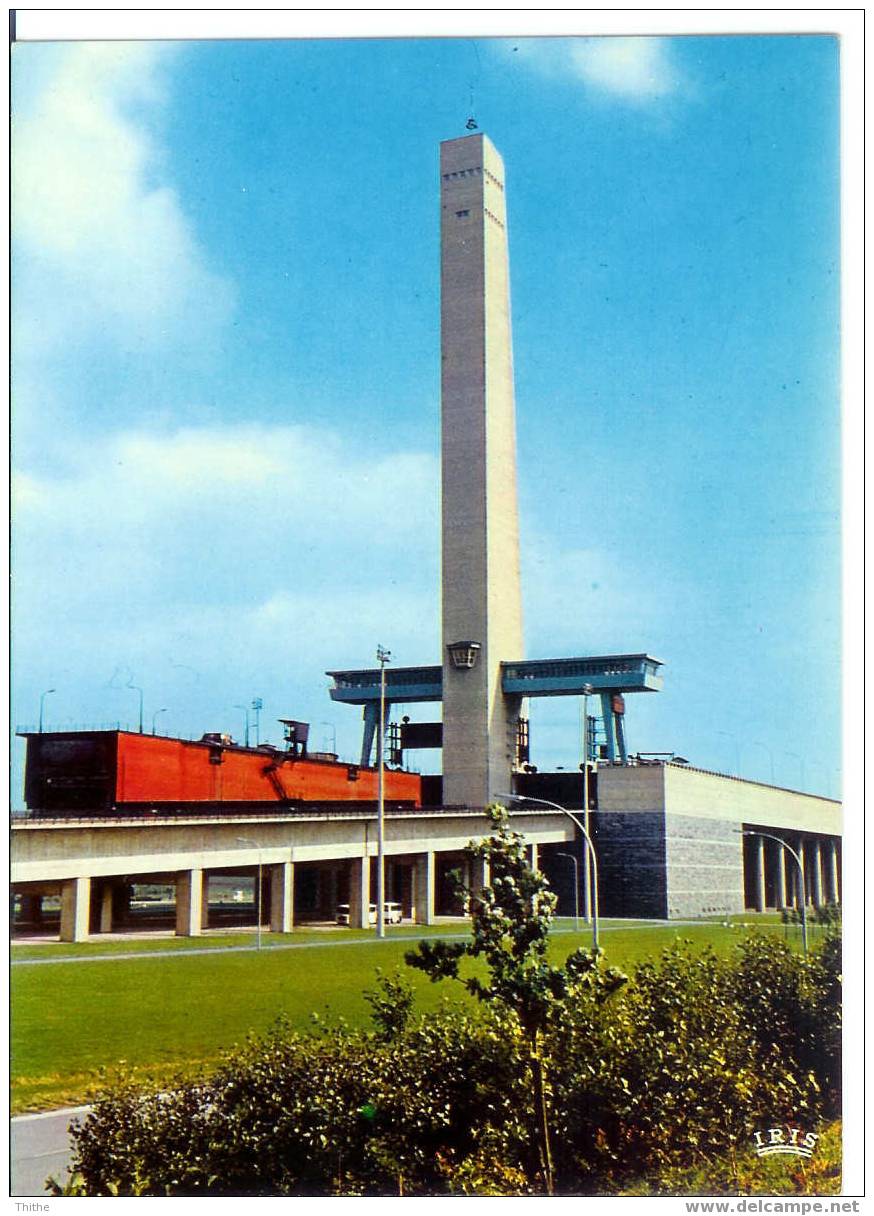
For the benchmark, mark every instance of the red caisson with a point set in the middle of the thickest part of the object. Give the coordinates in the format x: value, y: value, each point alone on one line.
x: 116, y: 772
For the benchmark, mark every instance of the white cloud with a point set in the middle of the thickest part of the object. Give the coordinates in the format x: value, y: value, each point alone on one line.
x: 263, y: 535
x: 632, y: 69
x: 101, y: 241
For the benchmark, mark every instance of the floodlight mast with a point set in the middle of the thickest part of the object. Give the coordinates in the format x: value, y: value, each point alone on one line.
x: 383, y: 656
x: 587, y: 876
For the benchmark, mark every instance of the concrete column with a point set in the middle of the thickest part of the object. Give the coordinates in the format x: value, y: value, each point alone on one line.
x: 189, y: 903
x: 106, y: 898
x: 423, y: 888
x: 533, y: 856
x: 479, y: 875
x: 75, y: 909
x: 780, y: 876
x: 816, y: 874
x: 834, y: 886
x: 282, y: 897
x: 359, y: 893
x: 759, y: 877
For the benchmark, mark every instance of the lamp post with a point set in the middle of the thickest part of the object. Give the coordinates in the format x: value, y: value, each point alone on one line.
x: 257, y: 705
x: 587, y: 876
x: 728, y: 735
x: 245, y: 709
x: 383, y: 656
x: 42, y: 697
x: 801, y: 892
x: 589, y: 848
x: 800, y: 760
x: 155, y: 714
x: 245, y: 840
x: 135, y: 688
x: 333, y: 736
x: 571, y: 857
x: 758, y: 743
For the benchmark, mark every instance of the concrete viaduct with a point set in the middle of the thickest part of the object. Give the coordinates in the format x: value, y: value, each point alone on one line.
x: 673, y: 842
x: 88, y: 862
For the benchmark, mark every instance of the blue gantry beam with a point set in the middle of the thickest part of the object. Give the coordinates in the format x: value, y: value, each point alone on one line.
x: 607, y: 676
x: 528, y: 678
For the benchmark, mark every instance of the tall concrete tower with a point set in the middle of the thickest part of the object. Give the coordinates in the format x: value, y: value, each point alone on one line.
x: 480, y: 579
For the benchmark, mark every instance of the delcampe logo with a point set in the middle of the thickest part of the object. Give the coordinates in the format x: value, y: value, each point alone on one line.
x: 788, y: 1140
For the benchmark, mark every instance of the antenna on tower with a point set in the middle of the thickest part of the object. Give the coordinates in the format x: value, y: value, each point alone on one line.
x: 471, y: 123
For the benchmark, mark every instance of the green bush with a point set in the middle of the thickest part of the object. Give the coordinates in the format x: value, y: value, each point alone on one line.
x: 563, y: 1080
x: 667, y: 1076
x: 792, y: 1004
x: 667, y: 1080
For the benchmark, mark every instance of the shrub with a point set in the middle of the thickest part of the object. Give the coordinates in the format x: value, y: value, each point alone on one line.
x: 667, y: 1076
x: 562, y: 1079
x: 792, y: 1004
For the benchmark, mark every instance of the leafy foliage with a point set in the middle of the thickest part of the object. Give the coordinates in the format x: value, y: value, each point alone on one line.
x: 566, y: 1079
x: 511, y: 918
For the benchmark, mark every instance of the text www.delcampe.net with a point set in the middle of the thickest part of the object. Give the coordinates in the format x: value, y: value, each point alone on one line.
x: 777, y: 1207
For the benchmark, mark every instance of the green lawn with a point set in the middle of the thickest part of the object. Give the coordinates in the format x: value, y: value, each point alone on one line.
x: 170, y: 1014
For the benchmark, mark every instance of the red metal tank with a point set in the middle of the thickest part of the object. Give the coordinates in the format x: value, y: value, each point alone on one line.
x: 99, y: 771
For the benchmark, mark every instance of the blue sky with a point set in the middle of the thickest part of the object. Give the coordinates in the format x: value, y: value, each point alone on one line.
x: 226, y: 377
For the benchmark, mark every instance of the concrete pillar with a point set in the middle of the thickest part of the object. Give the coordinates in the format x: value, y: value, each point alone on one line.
x: 816, y: 874
x: 359, y: 893
x: 106, y: 899
x: 75, y: 909
x: 780, y: 876
x: 834, y: 885
x: 282, y: 897
x: 423, y: 888
x: 533, y: 856
x: 189, y: 903
x: 759, y: 873
x: 479, y: 875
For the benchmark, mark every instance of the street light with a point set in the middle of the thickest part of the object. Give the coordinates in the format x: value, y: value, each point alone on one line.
x: 155, y: 714
x: 333, y: 736
x: 728, y: 735
x: 802, y: 894
x: 245, y: 709
x: 589, y: 847
x: 245, y: 840
x: 135, y: 688
x: 571, y: 857
x: 758, y: 743
x: 257, y: 705
x: 42, y: 697
x: 800, y: 760
x: 587, y: 884
x: 383, y: 656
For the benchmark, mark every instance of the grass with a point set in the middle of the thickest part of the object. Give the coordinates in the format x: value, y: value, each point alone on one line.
x: 169, y: 1015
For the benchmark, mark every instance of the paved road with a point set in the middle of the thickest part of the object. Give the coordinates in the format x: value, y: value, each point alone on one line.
x: 39, y: 1146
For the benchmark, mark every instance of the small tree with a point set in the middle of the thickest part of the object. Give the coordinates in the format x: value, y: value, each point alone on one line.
x: 511, y: 921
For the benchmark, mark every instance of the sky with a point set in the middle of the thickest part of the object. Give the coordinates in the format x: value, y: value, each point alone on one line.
x: 226, y: 360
